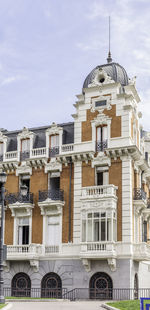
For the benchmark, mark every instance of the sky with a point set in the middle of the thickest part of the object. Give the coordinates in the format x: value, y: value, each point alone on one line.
x: 48, y: 47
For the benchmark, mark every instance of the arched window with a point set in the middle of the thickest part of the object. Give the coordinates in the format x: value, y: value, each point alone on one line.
x: 101, y: 286
x: 51, y: 286
x: 136, y: 286
x: 21, y: 285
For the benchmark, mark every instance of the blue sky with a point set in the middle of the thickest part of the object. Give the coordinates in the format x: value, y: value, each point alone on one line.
x: 47, y: 48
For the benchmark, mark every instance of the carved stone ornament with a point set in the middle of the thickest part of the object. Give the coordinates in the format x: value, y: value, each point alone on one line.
x: 35, y: 264
x: 2, y: 137
x: 87, y: 264
x: 53, y: 165
x: 112, y: 263
x: 108, y: 105
x: 25, y: 133
x: 101, y: 119
x: 101, y: 160
x: 23, y: 169
x: 6, y: 265
x: 101, y: 78
x: 54, y: 129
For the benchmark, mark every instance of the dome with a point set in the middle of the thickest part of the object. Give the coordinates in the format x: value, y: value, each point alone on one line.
x: 113, y: 70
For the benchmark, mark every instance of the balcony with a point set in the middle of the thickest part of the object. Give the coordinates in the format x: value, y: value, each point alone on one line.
x: 100, y: 146
x: 53, y: 151
x: 67, y: 148
x: 56, y: 194
x: 39, y: 152
x: 1, y: 157
x: 139, y: 194
x: 98, y: 249
x: 10, y: 156
x: 141, y: 251
x: 101, y: 191
x: 17, y: 197
x: 24, y: 155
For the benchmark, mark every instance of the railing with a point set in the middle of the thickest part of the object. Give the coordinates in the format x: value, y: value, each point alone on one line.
x: 99, y: 191
x: 11, y: 155
x: 35, y: 292
x: 1, y: 157
x: 100, y: 146
x: 106, y: 293
x: 51, y: 249
x: 139, y: 194
x: 57, y: 194
x: 97, y: 246
x: 39, y: 152
x: 17, y: 249
x: 53, y: 151
x: 24, y: 155
x: 17, y: 197
x: 67, y: 148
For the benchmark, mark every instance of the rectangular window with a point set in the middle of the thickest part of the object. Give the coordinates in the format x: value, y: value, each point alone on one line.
x: 25, y: 145
x: 25, y: 180
x: 100, y: 103
x: 53, y: 230
x: 102, y: 177
x: 54, y: 141
x: 23, y: 231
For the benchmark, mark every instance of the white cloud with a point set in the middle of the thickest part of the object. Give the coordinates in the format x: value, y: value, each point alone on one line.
x: 12, y: 79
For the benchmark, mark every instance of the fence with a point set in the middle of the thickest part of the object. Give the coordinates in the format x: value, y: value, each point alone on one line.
x: 79, y: 293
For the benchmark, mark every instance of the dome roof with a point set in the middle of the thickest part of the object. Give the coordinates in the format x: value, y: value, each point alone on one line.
x: 113, y: 70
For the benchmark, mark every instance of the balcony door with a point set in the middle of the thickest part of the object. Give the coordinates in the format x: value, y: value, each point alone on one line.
x: 23, y: 231
x: 53, y: 230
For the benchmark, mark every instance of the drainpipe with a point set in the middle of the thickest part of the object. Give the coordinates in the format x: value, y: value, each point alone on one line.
x: 69, y: 233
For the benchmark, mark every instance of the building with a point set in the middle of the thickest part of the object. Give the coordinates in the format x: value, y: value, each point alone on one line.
x: 84, y: 221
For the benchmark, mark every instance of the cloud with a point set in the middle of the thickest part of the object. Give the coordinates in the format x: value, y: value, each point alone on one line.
x: 12, y: 79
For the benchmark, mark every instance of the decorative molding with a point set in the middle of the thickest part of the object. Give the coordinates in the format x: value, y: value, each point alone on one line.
x: 87, y: 264
x: 101, y: 160
x: 53, y: 165
x: 108, y: 105
x: 3, y: 138
x: 35, y: 264
x: 51, y: 207
x: 54, y: 130
x: 24, y: 169
x: 112, y: 263
x: 101, y: 74
x: 21, y: 209
x: 25, y: 134
x: 6, y: 265
x: 101, y: 119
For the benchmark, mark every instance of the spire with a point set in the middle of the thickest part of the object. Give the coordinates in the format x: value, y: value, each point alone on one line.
x: 109, y: 59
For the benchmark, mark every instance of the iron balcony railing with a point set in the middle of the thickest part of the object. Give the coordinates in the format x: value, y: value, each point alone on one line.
x: 53, y: 151
x: 56, y: 194
x: 101, y: 146
x: 24, y: 155
x: 1, y: 157
x: 139, y: 194
x: 17, y: 197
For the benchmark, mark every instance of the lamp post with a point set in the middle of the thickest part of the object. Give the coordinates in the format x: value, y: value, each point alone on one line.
x: 3, y: 178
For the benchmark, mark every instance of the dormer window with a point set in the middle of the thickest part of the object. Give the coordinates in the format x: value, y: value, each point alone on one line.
x: 54, y: 145
x: 1, y: 151
x: 101, y: 138
x: 25, y: 149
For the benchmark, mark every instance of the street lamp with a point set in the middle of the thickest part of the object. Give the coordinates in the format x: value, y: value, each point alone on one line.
x: 3, y: 178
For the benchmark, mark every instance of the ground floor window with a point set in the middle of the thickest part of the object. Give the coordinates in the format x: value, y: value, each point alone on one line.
x: 100, y: 286
x: 21, y: 285
x: 51, y: 286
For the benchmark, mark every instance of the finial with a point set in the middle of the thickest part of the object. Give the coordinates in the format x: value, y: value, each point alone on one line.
x: 109, y: 59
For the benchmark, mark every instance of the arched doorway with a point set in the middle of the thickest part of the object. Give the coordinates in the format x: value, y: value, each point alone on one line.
x: 21, y: 285
x: 51, y: 286
x: 136, y: 286
x: 101, y: 286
